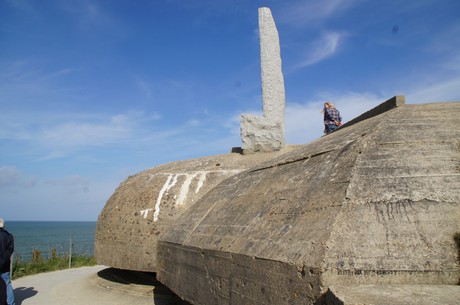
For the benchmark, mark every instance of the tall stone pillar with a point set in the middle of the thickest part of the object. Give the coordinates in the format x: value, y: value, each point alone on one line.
x: 266, y: 133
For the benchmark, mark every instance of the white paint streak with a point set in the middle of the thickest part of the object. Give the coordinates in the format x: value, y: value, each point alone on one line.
x: 145, y: 212
x: 163, y: 190
x: 182, y: 197
x: 184, y: 189
x: 200, y: 182
x: 173, y: 182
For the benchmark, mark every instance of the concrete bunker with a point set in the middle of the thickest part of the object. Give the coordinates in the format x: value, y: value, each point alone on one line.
x: 376, y: 202
x: 145, y: 204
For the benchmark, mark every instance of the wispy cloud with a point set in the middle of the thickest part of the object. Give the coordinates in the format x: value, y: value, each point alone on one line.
x: 90, y: 132
x: 58, y: 134
x: 306, y: 12
x: 145, y: 88
x: 442, y: 91
x: 326, y: 46
x: 89, y: 14
x: 57, y: 74
x: 28, y: 79
x: 70, y: 135
x: 443, y: 45
x: 18, y: 70
x: 74, y: 183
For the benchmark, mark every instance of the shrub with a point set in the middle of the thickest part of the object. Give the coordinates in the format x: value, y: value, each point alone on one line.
x: 53, y: 263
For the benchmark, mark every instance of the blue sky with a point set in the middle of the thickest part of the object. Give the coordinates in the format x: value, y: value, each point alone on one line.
x: 93, y: 91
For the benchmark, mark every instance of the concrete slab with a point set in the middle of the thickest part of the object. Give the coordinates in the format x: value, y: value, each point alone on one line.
x: 393, y: 294
x: 98, y: 285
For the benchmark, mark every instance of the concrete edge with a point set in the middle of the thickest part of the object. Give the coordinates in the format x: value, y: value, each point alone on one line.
x: 389, y: 104
x: 391, y: 295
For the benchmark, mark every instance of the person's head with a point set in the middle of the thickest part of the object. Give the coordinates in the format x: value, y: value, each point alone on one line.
x: 329, y: 105
x: 2, y: 223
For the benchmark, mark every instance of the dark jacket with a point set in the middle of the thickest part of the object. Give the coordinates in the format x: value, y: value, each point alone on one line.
x: 6, y: 250
x: 331, y: 116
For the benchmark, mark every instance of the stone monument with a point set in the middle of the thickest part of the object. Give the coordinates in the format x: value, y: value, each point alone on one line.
x: 266, y: 133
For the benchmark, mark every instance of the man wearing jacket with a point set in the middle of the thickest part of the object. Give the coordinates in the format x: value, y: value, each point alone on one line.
x: 6, y: 251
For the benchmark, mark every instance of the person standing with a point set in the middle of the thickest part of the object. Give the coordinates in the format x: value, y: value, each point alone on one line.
x: 332, y: 118
x: 6, y: 251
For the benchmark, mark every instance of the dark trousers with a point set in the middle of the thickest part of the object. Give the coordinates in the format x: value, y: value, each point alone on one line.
x: 2, y: 292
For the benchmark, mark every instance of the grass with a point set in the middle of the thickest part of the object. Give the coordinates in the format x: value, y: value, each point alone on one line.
x: 38, y: 264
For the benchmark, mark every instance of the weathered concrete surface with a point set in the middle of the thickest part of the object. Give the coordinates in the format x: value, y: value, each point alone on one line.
x: 96, y: 285
x: 377, y: 202
x: 144, y: 204
x: 393, y: 294
x: 266, y: 133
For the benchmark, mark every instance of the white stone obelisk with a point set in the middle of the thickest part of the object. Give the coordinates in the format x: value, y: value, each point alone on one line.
x: 266, y: 133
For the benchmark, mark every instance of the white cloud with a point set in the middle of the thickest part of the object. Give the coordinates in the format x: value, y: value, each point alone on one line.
x: 306, y: 12
x: 89, y: 15
x: 443, y: 91
x: 56, y: 135
x: 12, y: 178
x: 55, y: 154
x: 233, y: 123
x: 69, y: 135
x: 304, y: 122
x: 325, y: 47
x: 193, y: 123
x: 57, y: 74
x: 145, y: 87
x: 8, y: 175
x: 73, y: 184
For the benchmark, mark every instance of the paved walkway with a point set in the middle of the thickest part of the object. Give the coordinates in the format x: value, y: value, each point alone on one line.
x: 98, y: 285
x: 101, y: 285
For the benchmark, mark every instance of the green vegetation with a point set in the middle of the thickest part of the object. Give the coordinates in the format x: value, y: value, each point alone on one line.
x: 53, y: 263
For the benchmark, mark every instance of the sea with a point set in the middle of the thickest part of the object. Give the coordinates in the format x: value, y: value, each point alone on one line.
x: 75, y: 237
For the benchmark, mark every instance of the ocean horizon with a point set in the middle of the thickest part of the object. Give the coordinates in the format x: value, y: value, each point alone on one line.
x: 45, y: 236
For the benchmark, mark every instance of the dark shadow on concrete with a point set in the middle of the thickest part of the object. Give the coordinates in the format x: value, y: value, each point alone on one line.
x: 22, y: 293
x: 329, y: 298
x: 129, y: 277
x: 162, y: 295
x: 237, y: 150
